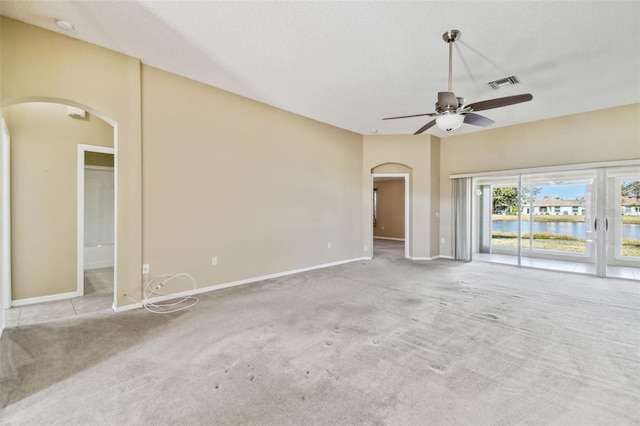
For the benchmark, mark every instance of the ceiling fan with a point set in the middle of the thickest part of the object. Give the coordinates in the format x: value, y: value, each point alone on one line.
x: 451, y: 111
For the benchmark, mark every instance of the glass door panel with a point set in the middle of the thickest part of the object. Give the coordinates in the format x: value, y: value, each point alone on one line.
x: 496, y: 224
x: 560, y: 208
x: 504, y: 215
x: 623, y: 223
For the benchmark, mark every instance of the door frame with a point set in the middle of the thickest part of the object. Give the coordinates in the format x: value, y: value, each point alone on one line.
x: 5, y: 214
x: 82, y: 149
x: 601, y: 222
x: 407, y: 227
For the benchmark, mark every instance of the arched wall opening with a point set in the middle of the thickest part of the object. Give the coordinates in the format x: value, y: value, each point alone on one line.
x: 41, y: 65
x: 421, y: 155
x: 47, y: 225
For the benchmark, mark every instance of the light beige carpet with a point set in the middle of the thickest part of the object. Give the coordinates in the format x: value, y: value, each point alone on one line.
x: 388, y: 341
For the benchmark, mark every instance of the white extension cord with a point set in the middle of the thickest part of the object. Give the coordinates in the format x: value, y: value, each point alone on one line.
x: 151, y: 289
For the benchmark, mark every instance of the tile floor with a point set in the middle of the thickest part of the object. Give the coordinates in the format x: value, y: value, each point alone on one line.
x: 559, y: 265
x: 98, y: 295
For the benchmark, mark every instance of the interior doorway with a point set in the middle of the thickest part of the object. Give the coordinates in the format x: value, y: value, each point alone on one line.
x: 96, y: 225
x: 390, y: 213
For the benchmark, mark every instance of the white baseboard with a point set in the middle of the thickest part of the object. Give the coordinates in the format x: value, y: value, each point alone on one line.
x: 126, y: 307
x: 388, y: 238
x: 43, y: 299
x: 233, y: 284
x: 432, y: 258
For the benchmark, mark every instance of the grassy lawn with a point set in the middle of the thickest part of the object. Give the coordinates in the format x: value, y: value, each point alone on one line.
x: 557, y: 242
x: 631, y: 220
x: 626, y: 220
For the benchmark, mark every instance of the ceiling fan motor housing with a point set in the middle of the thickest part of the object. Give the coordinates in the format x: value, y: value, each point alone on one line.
x: 450, y: 108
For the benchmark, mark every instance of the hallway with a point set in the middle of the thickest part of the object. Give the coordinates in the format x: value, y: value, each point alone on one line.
x: 98, y: 296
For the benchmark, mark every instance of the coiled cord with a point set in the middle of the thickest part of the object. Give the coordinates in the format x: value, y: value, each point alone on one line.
x: 151, y: 289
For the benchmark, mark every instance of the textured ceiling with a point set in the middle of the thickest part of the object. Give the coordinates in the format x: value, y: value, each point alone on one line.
x: 351, y: 63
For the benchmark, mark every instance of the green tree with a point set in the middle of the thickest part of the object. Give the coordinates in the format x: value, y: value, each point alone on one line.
x: 505, y: 199
x: 631, y: 189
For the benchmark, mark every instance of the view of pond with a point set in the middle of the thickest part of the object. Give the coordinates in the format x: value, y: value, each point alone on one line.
x: 573, y: 229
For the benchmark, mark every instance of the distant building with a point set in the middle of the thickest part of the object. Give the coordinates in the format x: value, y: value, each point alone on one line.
x: 630, y: 206
x: 555, y: 206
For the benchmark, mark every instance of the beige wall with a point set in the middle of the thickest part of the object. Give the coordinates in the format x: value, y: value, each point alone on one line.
x: 41, y: 65
x: 434, y: 196
x: 44, y: 155
x: 2, y: 316
x: 218, y: 167
x: 264, y: 190
x: 389, y: 208
x: 607, y: 135
x: 414, y: 152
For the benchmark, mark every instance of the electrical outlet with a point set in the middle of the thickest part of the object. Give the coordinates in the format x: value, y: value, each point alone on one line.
x: 329, y: 245
x: 145, y: 268
x: 214, y: 260
x: 366, y: 248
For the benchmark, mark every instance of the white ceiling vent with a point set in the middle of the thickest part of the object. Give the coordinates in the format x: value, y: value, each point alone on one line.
x: 507, y: 81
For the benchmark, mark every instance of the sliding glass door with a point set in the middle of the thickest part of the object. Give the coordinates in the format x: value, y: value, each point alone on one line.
x: 559, y: 207
x: 498, y: 225
x: 585, y: 221
x: 622, y: 224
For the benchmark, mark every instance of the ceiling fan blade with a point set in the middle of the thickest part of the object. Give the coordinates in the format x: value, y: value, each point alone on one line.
x: 499, y: 102
x: 430, y: 114
x: 447, y: 99
x: 477, y: 120
x: 425, y: 127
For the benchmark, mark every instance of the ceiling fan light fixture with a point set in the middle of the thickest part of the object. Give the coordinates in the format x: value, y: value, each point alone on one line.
x: 449, y: 122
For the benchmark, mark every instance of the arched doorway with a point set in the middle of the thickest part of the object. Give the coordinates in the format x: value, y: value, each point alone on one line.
x: 391, y: 210
x: 45, y: 135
